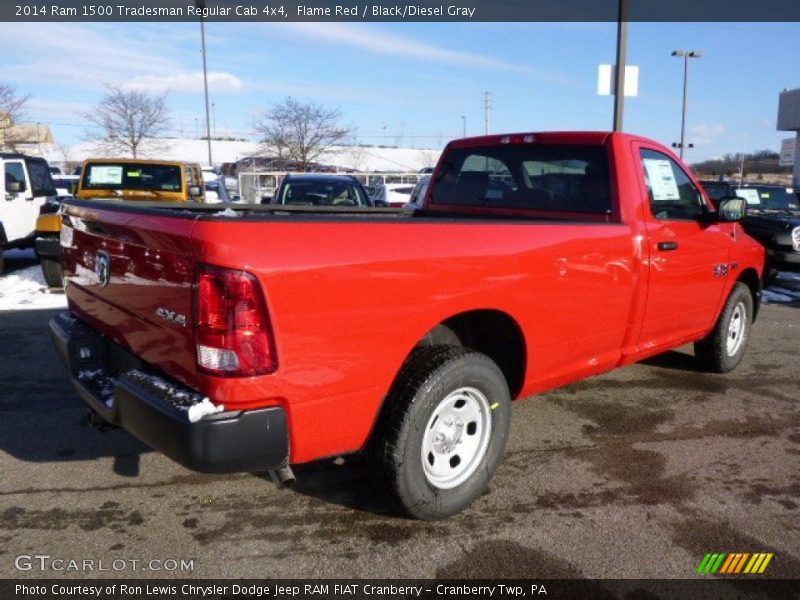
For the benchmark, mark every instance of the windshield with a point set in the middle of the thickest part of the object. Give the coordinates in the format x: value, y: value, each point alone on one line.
x: 323, y: 193
x: 763, y: 198
x: 132, y: 176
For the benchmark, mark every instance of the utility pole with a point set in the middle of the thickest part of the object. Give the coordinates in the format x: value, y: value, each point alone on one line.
x: 622, y: 58
x: 487, y: 104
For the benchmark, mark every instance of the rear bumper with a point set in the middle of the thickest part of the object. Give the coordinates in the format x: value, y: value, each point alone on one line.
x: 155, y: 409
x: 48, y: 246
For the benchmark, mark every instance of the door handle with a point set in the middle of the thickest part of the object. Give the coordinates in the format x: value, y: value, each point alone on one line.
x: 664, y: 246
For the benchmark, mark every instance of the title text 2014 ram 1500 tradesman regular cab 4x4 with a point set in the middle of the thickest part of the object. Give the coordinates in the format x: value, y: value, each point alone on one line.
x: 254, y: 338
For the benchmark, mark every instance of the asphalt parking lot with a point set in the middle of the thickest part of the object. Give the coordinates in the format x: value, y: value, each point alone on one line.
x: 634, y: 474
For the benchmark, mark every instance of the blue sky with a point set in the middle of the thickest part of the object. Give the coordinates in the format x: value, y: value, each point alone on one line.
x: 409, y: 84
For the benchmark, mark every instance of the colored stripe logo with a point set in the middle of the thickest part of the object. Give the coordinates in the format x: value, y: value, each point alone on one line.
x: 735, y: 563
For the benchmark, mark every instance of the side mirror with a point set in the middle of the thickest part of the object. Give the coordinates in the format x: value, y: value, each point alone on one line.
x: 380, y: 203
x: 731, y: 208
x: 195, y: 191
x: 15, y: 187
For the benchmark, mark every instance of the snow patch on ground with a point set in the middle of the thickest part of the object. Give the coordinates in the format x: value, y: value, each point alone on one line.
x: 25, y: 289
x: 785, y: 289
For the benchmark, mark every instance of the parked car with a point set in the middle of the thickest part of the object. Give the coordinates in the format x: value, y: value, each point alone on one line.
x: 216, y: 192
x: 122, y: 179
x: 418, y: 193
x: 392, y: 194
x: 65, y: 184
x: 258, y: 337
x: 25, y: 186
x: 312, y: 189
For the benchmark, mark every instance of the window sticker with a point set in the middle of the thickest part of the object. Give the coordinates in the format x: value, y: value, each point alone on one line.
x: 105, y: 175
x: 134, y: 174
x: 750, y: 195
x: 662, y: 179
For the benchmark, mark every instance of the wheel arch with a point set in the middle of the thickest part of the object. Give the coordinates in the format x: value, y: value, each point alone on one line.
x: 492, y: 332
x: 750, y: 278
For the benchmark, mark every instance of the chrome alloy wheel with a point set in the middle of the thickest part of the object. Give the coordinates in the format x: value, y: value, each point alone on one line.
x: 456, y: 438
x: 736, y: 329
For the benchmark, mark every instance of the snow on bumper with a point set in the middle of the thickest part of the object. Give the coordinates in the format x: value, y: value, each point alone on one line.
x: 166, y: 415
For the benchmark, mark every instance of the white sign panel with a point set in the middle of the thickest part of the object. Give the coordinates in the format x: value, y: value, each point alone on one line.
x: 105, y: 175
x: 750, y: 195
x: 607, y: 80
x: 662, y: 179
x: 788, y: 149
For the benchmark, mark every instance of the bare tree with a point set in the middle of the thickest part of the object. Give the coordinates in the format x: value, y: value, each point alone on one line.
x: 128, y: 117
x: 12, y: 107
x: 300, y: 132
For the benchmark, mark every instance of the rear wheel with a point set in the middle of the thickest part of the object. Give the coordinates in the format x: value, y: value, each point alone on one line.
x: 442, y: 432
x: 53, y: 275
x: 723, y: 349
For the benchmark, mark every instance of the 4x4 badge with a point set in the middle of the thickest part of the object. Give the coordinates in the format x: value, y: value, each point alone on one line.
x: 102, y: 268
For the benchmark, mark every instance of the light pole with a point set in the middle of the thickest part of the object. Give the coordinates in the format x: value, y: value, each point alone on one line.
x: 686, y: 55
x: 622, y: 59
x: 201, y: 4
x: 463, y: 125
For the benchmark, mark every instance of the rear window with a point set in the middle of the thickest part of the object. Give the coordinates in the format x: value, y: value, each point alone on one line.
x: 132, y: 176
x: 541, y: 177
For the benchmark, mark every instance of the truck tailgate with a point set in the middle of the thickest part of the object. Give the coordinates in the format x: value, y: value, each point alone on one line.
x: 130, y: 275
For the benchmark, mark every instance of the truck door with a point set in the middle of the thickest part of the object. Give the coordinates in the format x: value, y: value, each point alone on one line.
x: 687, y: 256
x: 17, y: 208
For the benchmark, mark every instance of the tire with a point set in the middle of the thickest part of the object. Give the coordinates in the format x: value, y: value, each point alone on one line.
x: 442, y: 432
x: 723, y: 349
x: 51, y: 269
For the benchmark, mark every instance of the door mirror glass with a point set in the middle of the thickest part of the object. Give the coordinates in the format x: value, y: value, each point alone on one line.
x: 195, y: 191
x: 14, y: 187
x: 732, y: 208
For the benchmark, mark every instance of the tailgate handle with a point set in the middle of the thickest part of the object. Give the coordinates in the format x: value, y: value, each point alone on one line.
x: 664, y: 246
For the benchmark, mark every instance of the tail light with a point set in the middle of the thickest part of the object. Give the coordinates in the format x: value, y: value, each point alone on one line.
x: 233, y: 332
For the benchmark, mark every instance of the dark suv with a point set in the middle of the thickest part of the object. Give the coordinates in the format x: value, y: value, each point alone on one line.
x: 773, y: 218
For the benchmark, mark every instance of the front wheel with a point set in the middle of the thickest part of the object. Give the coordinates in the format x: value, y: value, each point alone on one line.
x: 442, y: 432
x: 723, y: 349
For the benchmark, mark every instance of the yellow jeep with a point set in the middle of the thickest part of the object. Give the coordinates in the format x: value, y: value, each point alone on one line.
x: 126, y: 179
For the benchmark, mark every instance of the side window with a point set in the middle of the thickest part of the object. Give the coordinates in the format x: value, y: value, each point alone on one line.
x: 672, y: 193
x: 15, y: 173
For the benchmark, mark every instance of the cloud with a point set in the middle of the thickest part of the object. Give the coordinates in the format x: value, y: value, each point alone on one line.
x: 705, y: 135
x: 190, y: 83
x: 381, y: 42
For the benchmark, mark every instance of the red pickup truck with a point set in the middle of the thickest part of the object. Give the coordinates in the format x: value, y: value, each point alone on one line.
x: 257, y: 337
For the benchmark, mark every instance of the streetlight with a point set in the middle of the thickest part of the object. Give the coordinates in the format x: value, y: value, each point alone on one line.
x: 201, y: 4
x: 686, y: 55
